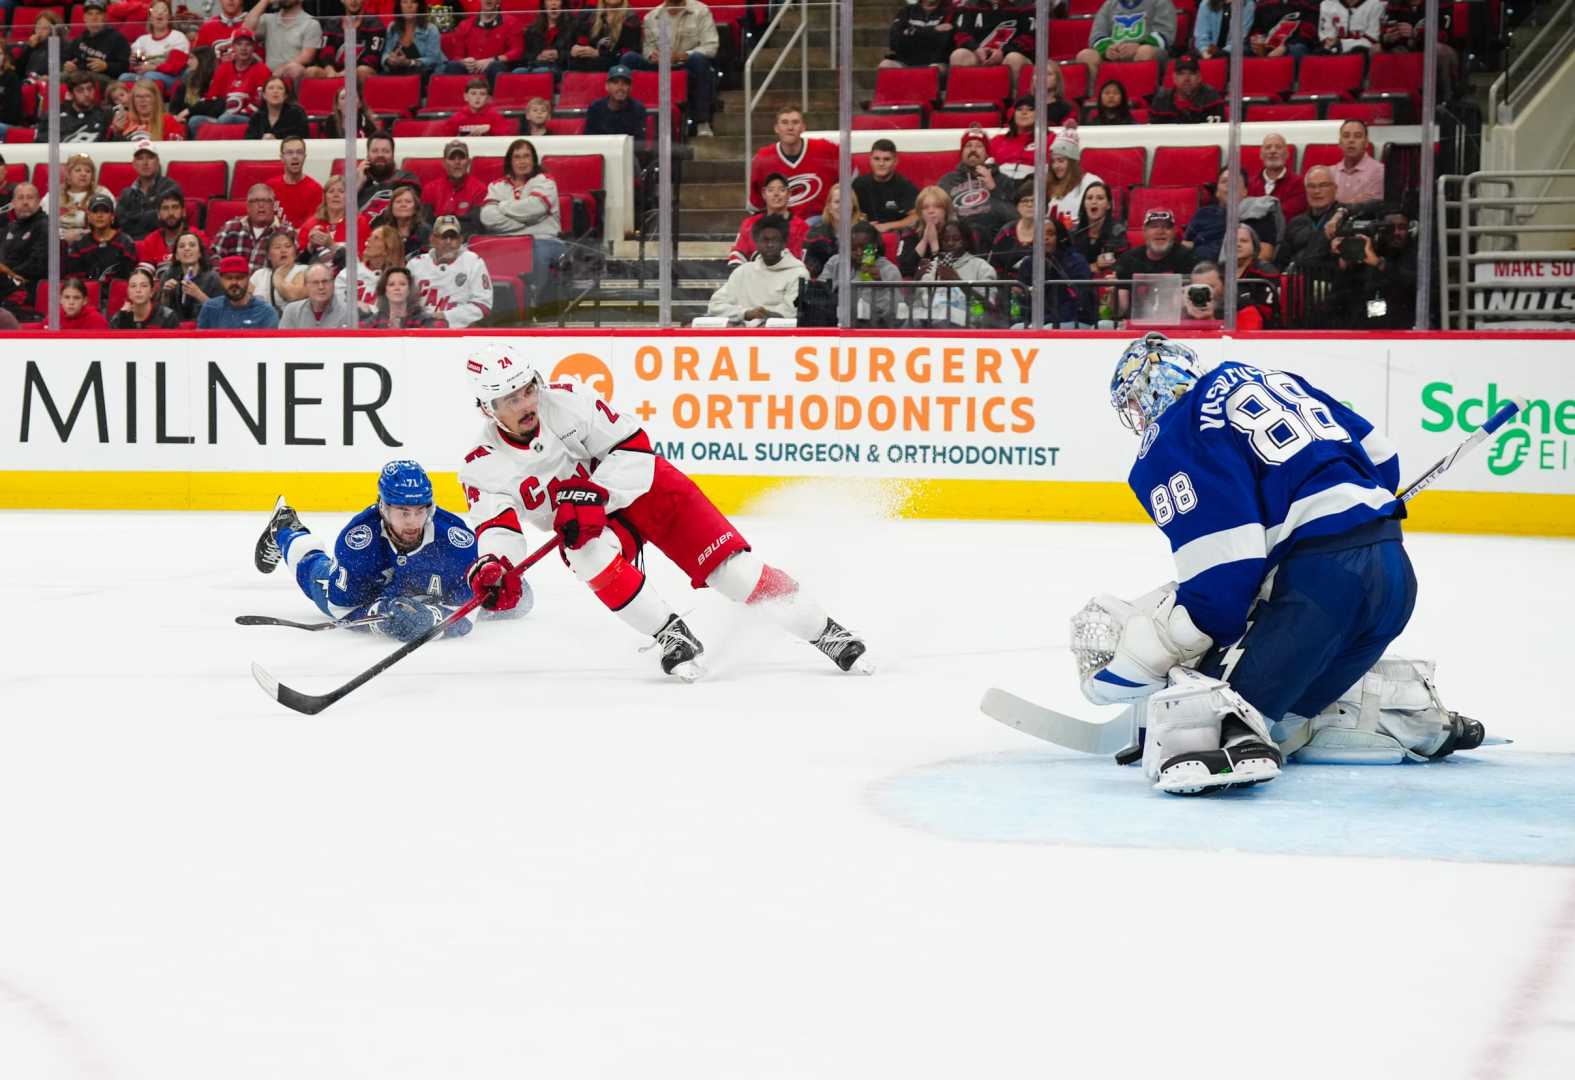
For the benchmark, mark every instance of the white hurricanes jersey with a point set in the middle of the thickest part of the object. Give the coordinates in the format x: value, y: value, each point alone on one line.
x: 509, y: 484
x: 460, y: 291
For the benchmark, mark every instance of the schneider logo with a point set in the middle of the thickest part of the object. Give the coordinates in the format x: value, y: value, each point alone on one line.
x: 1539, y: 437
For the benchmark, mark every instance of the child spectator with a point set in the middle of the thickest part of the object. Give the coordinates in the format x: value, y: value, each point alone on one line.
x: 885, y: 194
x: 871, y: 307
x: 76, y: 314
x: 1111, y: 107
x: 921, y: 35
x: 537, y: 112
x: 479, y: 116
x: 923, y: 241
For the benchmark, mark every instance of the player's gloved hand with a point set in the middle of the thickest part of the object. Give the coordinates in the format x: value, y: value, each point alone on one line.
x: 407, y: 617
x: 489, y: 580
x: 581, y: 511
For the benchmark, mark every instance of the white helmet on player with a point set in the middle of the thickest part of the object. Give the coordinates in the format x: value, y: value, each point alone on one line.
x: 497, y: 371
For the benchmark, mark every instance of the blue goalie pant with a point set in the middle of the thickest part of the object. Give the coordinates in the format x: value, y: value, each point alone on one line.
x: 1335, y: 605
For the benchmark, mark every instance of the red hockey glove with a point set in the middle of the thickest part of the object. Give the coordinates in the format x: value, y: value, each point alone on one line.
x: 489, y: 580
x: 581, y: 511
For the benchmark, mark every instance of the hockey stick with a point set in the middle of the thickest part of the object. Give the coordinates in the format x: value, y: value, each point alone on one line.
x: 312, y: 704
x: 1112, y: 736
x: 337, y: 624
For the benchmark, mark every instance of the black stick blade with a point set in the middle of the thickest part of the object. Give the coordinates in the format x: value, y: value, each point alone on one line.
x: 310, y: 704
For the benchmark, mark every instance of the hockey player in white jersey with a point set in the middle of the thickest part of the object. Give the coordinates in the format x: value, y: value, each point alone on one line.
x: 560, y: 459
x: 453, y: 280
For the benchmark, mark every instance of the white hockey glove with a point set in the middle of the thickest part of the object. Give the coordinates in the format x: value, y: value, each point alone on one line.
x: 1125, y: 651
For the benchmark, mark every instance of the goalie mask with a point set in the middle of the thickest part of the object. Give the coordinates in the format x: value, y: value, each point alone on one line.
x: 1150, y: 376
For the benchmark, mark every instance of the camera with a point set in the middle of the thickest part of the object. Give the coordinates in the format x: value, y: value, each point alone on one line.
x: 1365, y: 219
x: 1200, y: 295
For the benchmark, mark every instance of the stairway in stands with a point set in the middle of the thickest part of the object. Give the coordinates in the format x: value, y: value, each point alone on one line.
x: 710, y: 177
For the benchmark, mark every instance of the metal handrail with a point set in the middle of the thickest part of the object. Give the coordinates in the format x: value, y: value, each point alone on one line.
x: 1456, y: 307
x: 1542, y: 61
x: 752, y: 98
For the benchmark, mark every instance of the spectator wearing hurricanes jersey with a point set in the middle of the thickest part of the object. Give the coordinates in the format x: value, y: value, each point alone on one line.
x: 693, y: 41
x: 1126, y: 30
x: 776, y: 195
x: 524, y: 202
x: 161, y: 53
x: 370, y: 37
x: 1348, y: 25
x: 992, y: 32
x: 139, y: 204
x: 617, y: 113
x: 382, y: 250
x: 451, y: 280
x: 249, y: 235
x: 24, y: 247
x: 921, y: 35
x: 884, y: 194
x: 1067, y: 181
x: 299, y: 195
x: 104, y: 253
x: 237, y: 308
x: 765, y: 287
x: 101, y: 50
x: 378, y: 175
x: 159, y: 244
x: 810, y: 166
x: 1013, y: 150
x: 218, y: 32
x: 82, y: 118
x: 1276, y: 179
x: 1284, y: 28
x: 484, y: 44
x: 479, y: 116
x: 236, y: 89
x: 1190, y: 101
x: 321, y: 308
x: 291, y: 38
x: 982, y: 198
x: 457, y: 193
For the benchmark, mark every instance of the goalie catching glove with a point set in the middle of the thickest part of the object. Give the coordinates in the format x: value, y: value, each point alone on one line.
x: 1125, y: 650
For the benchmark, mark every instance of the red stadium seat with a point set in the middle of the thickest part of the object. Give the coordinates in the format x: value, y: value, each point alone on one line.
x: 924, y: 167
x: 220, y: 212
x: 979, y: 86
x: 574, y: 125
x: 1370, y: 113
x: 247, y: 173
x: 509, y: 259
x: 579, y: 175
x: 20, y: 135
x: 516, y: 91
x: 41, y: 176
x: 1396, y: 79
x: 1215, y: 72
x: 220, y: 132
x: 906, y: 88
x: 316, y: 96
x: 445, y: 95
x: 645, y: 87
x: 909, y: 121
x: 1139, y: 77
x: 427, y: 169
x: 1183, y: 165
x: 199, y: 179
x: 415, y: 129
x: 1079, y: 8
x: 1121, y: 167
x: 41, y: 295
x: 1180, y: 201
x: 194, y: 211
x: 1280, y: 113
x: 117, y: 295
x: 580, y: 88
x: 117, y: 175
x: 487, y: 169
x: 392, y: 95
x: 967, y: 117
x: 23, y: 18
x: 1267, y: 78
x: 15, y: 173
x: 1324, y: 78
x: 1315, y: 154
x: 1074, y: 81
x: 1068, y: 37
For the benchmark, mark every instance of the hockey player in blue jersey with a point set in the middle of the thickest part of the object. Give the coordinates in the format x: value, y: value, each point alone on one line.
x: 403, y: 559
x: 1292, y: 578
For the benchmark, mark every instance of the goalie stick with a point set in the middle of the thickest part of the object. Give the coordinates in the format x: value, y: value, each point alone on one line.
x: 1111, y: 736
x: 312, y: 704
x: 337, y: 624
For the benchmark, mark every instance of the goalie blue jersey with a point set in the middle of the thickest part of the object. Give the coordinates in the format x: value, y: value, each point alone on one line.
x: 366, y: 567
x: 1246, y: 464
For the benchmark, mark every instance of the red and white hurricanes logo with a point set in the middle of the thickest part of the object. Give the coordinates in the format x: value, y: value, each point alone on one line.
x: 803, y: 188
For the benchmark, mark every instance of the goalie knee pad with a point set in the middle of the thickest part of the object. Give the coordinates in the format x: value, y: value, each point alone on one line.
x: 1393, y: 713
x: 1202, y: 735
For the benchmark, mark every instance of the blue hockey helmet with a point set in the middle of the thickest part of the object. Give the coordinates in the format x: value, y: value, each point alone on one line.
x: 1152, y: 373
x: 404, y: 483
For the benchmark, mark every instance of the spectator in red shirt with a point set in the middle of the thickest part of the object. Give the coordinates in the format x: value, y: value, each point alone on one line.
x: 1276, y: 178
x: 75, y: 312
x: 323, y: 234
x: 479, y: 116
x: 157, y: 246
x: 298, y: 194
x: 457, y: 193
x: 218, y: 32
x: 484, y: 44
x: 775, y: 194
x: 236, y: 89
x: 810, y: 166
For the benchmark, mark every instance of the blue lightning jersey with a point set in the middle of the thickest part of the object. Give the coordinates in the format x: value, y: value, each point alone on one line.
x: 1246, y: 464
x: 366, y: 566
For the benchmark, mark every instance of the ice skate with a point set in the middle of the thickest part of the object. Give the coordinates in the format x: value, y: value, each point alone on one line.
x: 843, y: 648
x: 680, y: 650
x: 267, y: 554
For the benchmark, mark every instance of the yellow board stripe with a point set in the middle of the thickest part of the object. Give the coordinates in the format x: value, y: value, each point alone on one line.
x: 1012, y: 500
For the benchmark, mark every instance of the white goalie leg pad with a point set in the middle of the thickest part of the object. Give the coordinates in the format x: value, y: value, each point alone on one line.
x: 1393, y: 713
x: 1197, y: 715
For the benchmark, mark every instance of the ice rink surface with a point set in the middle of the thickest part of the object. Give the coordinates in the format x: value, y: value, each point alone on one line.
x: 525, y: 854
